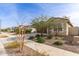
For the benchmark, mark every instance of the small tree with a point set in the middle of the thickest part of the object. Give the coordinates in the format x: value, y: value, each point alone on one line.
x: 20, y: 31
x: 40, y: 24
x: 22, y: 36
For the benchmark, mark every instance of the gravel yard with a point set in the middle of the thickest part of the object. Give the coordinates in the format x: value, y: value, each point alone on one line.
x: 27, y: 52
x: 68, y: 47
x: 72, y: 48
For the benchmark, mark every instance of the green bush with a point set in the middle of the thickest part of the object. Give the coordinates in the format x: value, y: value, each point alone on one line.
x: 38, y: 35
x: 31, y: 37
x: 19, y: 31
x: 40, y: 40
x: 16, y: 30
x: 58, y: 43
x: 28, y: 30
x: 42, y: 35
x: 49, y: 36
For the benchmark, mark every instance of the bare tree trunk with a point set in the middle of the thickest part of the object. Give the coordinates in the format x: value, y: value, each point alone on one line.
x: 21, y: 34
x: 19, y: 38
x: 22, y: 37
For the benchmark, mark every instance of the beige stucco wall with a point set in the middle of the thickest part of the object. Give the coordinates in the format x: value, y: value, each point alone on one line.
x: 74, y: 31
x: 63, y: 32
x: 67, y: 28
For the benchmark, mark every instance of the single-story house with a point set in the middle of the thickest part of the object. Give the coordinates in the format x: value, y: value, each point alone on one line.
x: 61, y: 26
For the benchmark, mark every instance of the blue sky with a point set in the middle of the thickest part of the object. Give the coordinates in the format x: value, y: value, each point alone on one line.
x: 12, y: 14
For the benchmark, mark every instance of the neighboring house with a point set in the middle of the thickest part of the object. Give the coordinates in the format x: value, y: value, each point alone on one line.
x: 61, y: 26
x: 33, y: 30
x: 30, y: 27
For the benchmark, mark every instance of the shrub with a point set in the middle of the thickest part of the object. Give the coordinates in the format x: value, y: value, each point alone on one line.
x: 12, y: 45
x: 16, y: 30
x: 42, y: 35
x: 31, y: 37
x: 40, y: 40
x: 58, y: 43
x: 49, y: 36
x: 38, y: 35
x: 19, y: 31
x: 28, y: 30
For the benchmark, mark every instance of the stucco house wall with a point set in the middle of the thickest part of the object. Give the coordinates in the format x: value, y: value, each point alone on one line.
x: 65, y: 24
x: 68, y: 28
x: 74, y: 31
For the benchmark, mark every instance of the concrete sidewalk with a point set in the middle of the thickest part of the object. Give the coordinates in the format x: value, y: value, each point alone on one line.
x: 48, y: 50
x: 2, y: 50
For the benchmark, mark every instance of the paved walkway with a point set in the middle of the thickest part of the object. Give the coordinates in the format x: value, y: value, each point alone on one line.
x: 2, y: 50
x: 48, y: 50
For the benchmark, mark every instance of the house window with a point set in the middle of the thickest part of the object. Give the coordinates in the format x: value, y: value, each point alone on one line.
x: 58, y: 27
